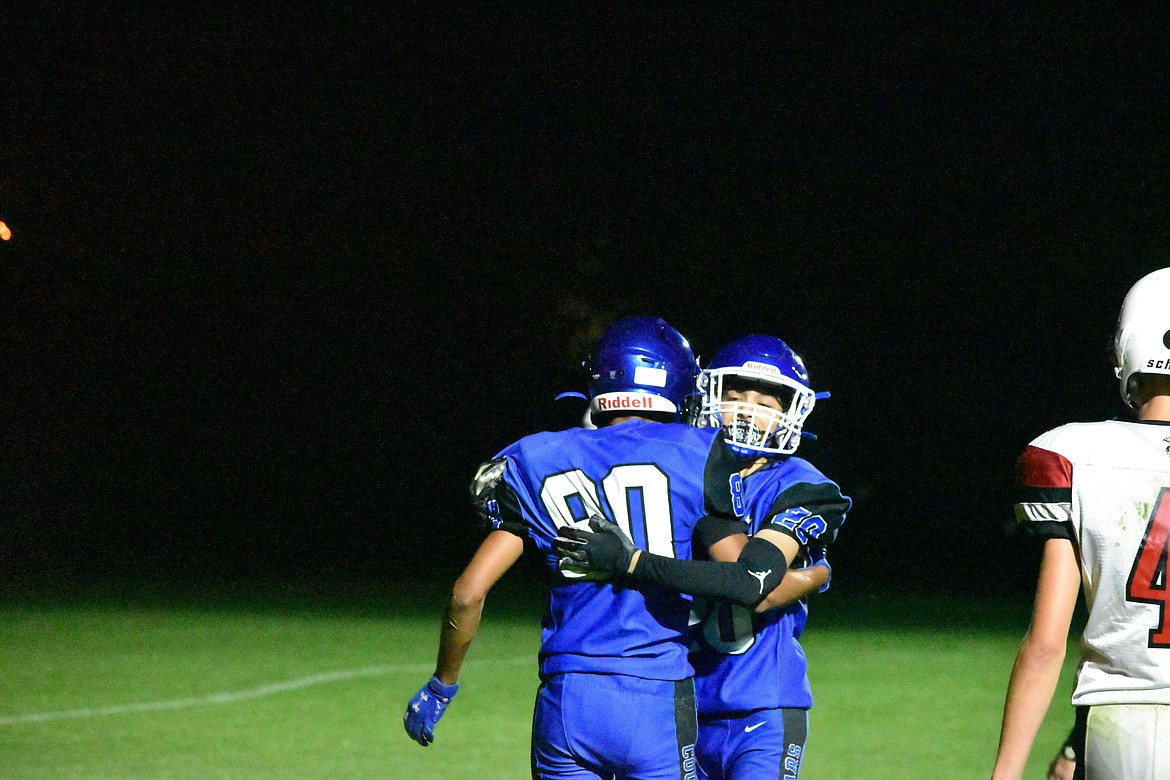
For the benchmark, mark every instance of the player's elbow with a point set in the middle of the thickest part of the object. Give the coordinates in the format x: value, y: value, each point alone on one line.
x: 1042, y: 651
x: 746, y: 596
x: 761, y: 569
x: 750, y: 587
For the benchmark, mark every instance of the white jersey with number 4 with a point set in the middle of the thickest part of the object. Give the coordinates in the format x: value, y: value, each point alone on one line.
x: 1106, y: 486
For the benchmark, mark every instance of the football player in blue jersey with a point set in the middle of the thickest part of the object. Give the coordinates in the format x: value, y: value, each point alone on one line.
x: 609, y: 649
x: 752, y: 688
x: 751, y: 685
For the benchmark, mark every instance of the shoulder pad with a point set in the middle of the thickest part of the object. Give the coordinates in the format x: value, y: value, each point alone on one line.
x: 494, y: 501
x: 487, y: 476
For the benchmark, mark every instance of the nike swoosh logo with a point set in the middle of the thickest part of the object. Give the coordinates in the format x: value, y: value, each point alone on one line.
x: 753, y: 727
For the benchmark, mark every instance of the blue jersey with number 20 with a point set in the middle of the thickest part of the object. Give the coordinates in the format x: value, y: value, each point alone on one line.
x: 745, y: 661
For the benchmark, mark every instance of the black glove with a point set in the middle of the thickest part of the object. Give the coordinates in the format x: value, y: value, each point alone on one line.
x: 602, y: 548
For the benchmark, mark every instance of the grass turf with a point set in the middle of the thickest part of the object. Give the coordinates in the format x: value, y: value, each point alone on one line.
x: 285, y: 684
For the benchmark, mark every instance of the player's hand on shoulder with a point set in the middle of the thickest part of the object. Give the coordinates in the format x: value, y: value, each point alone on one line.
x: 426, y: 707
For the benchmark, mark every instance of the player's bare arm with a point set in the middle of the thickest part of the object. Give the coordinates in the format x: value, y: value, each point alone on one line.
x: 496, y: 554
x: 796, y: 585
x: 1037, y: 668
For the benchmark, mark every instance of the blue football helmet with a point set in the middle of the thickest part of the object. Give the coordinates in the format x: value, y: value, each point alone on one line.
x: 642, y: 365
x: 766, y: 365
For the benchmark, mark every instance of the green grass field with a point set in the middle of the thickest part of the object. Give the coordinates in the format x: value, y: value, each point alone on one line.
x: 313, y: 685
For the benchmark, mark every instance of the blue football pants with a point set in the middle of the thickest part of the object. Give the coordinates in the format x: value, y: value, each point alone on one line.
x: 760, y: 744
x: 614, y: 727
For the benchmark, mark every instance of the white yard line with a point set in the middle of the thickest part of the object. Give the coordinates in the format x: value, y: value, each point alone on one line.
x: 229, y: 697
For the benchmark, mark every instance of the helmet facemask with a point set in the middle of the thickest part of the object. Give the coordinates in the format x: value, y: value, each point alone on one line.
x: 755, y: 429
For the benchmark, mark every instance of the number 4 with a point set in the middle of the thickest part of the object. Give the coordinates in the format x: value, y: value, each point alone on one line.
x: 1147, y: 578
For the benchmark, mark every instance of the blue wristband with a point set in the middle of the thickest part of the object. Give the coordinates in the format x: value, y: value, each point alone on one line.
x: 440, y: 689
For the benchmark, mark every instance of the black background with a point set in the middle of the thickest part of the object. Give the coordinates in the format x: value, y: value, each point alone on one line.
x: 280, y: 278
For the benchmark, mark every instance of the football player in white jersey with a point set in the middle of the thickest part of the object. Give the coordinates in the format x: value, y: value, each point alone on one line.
x: 1099, y: 495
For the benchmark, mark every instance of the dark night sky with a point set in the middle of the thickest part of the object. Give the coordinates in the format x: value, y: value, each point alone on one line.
x: 279, y: 280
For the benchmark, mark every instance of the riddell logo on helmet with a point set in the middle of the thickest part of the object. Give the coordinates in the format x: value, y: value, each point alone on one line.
x: 632, y: 401
x: 764, y: 367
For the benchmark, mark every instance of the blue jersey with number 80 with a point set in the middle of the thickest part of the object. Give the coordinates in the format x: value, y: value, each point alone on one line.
x: 655, y: 480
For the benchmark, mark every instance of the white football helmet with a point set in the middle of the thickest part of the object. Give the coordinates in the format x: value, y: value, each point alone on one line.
x: 1142, y: 342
